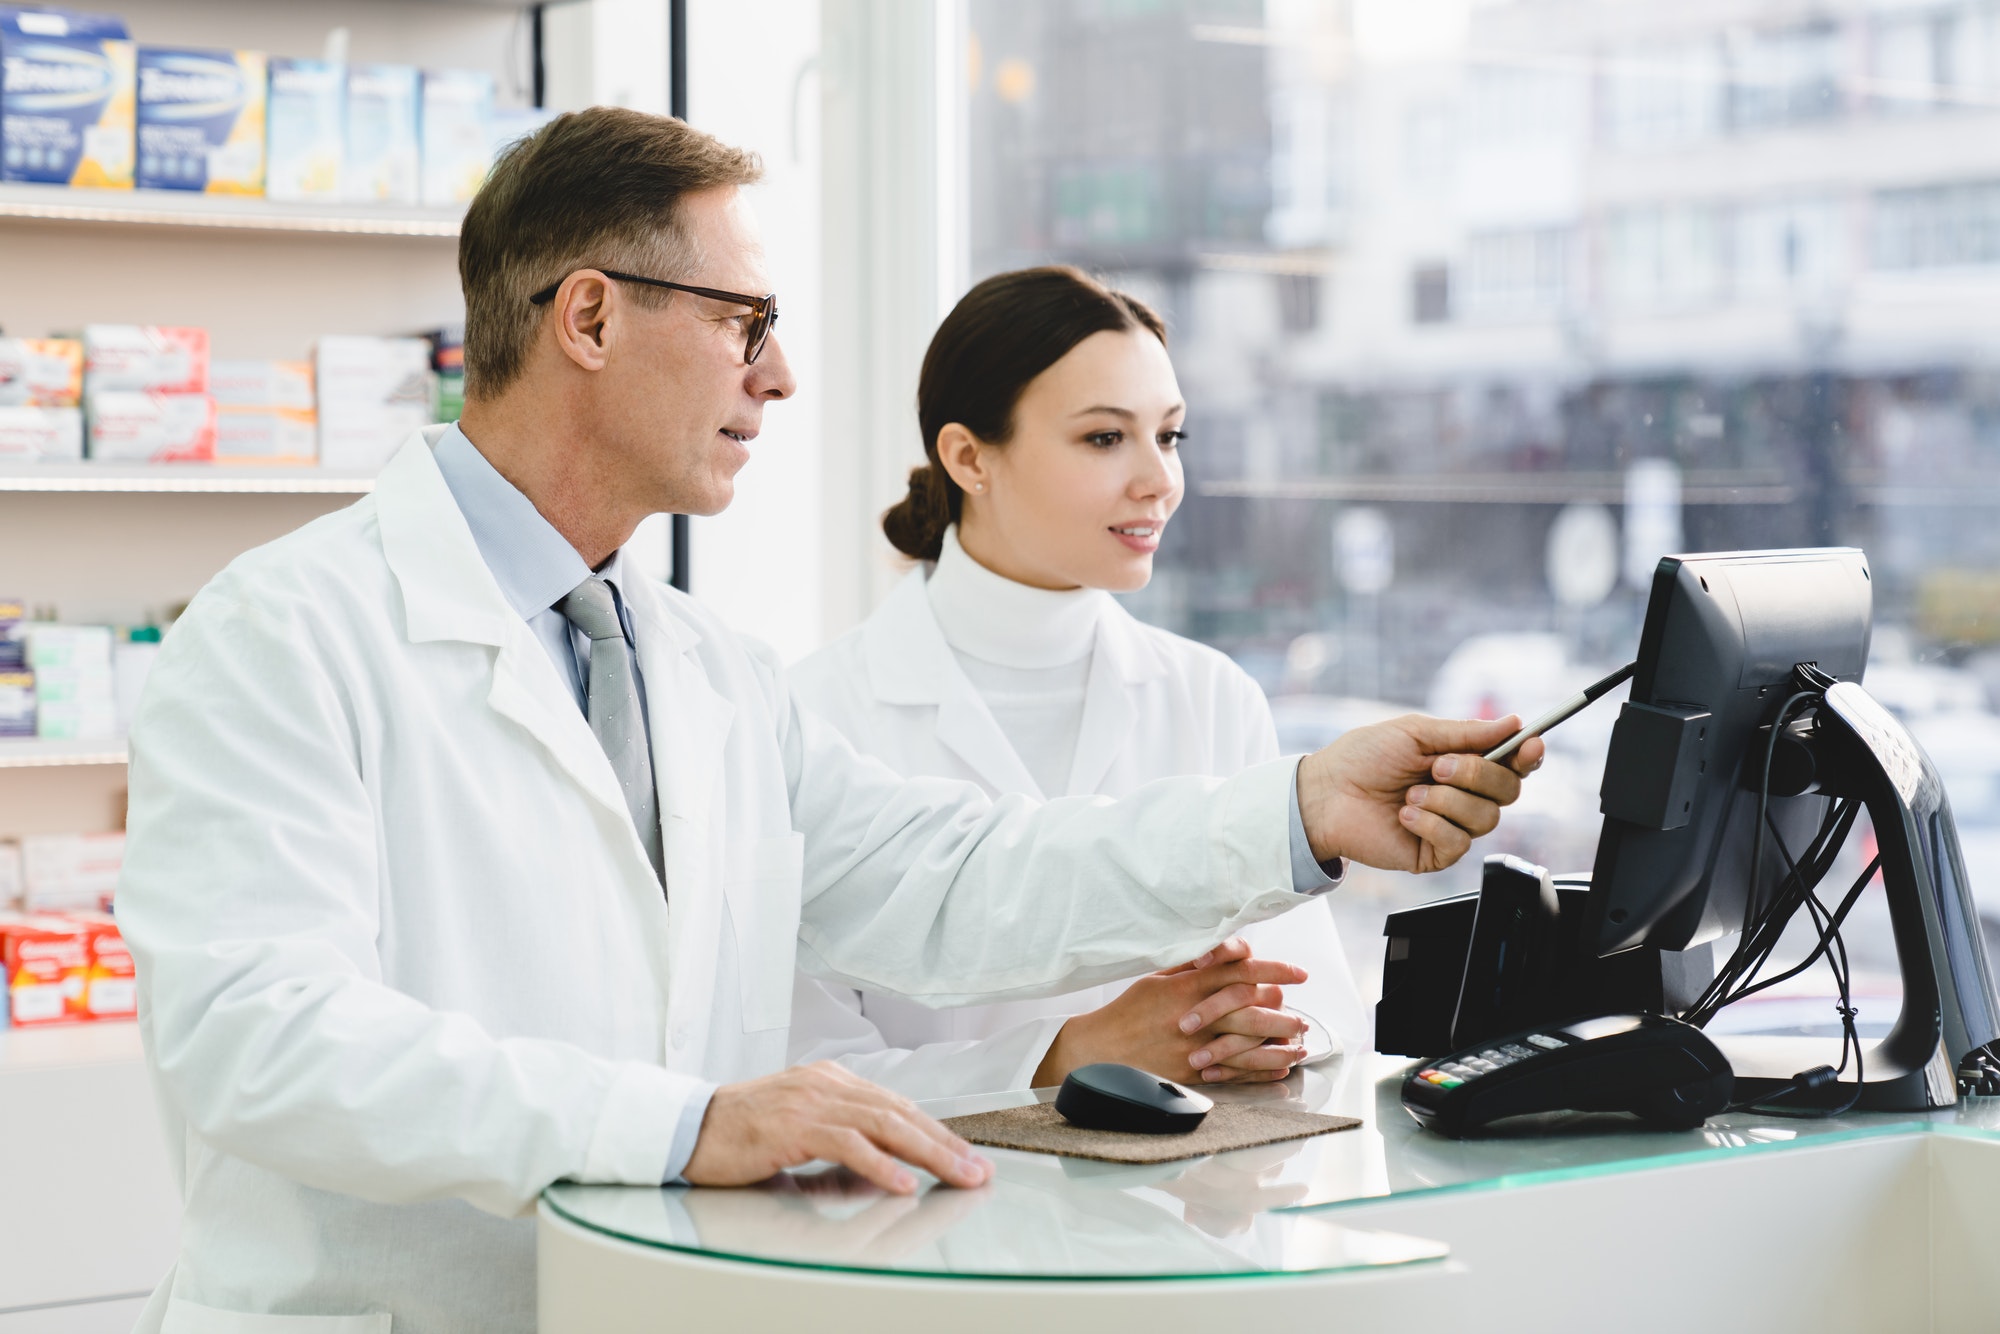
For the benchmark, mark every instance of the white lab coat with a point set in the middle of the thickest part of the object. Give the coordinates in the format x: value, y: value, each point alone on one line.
x: 1155, y: 704
x: 403, y: 961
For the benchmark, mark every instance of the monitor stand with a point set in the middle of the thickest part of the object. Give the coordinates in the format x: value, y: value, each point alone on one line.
x: 1949, y: 1005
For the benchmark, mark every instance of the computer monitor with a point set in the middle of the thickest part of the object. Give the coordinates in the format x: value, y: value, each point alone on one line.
x: 1722, y: 637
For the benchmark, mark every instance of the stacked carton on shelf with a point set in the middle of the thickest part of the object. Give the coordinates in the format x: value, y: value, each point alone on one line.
x: 66, y: 99
x: 264, y: 411
x: 75, y: 690
x: 17, y: 680
x: 372, y: 393
x: 307, y: 112
x: 147, y: 390
x: 200, y: 120
x: 41, y: 396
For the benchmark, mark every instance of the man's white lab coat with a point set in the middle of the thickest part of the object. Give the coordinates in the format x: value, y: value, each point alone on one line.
x: 1154, y: 704
x: 402, y: 959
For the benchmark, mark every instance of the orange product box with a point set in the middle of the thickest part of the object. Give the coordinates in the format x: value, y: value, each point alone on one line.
x: 111, y: 986
x: 41, y: 372
x: 47, y: 963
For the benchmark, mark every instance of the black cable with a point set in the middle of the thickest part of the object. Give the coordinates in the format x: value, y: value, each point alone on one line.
x: 1764, y: 927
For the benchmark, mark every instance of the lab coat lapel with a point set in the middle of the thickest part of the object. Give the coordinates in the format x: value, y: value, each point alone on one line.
x: 1122, y: 661
x: 909, y: 662
x: 449, y: 594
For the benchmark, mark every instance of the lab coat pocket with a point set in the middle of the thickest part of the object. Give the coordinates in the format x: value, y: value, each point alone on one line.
x: 764, y: 911
x: 185, y: 1317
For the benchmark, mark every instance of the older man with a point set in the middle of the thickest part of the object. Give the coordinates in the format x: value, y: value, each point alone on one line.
x: 464, y: 859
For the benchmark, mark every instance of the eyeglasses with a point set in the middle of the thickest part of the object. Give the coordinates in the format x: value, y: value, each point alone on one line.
x: 763, y: 309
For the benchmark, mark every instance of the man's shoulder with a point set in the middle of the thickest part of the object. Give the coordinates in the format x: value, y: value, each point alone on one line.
x: 323, y: 564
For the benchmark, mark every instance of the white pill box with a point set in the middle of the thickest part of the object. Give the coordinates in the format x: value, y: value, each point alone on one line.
x: 164, y: 358
x: 381, y: 162
x: 135, y: 426
x: 61, y: 871
x: 40, y: 435
x: 306, y: 112
x: 457, y: 135
x: 372, y: 393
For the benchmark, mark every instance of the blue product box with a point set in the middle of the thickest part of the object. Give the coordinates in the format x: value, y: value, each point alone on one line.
x: 65, y: 103
x: 200, y: 120
x: 382, y: 149
x: 305, y: 113
x: 38, y: 21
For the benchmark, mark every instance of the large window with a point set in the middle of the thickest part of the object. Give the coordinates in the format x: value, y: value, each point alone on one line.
x: 1481, y: 308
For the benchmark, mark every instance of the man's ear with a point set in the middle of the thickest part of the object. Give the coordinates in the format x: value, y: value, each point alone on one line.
x: 581, y: 313
x: 963, y: 457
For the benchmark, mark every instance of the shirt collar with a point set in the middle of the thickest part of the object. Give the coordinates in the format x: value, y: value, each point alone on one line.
x: 535, y: 565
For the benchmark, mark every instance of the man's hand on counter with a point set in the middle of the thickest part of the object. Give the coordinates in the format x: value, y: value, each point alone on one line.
x: 1412, y: 793
x: 755, y: 1129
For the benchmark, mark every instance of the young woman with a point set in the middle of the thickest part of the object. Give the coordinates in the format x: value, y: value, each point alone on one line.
x: 1052, y: 424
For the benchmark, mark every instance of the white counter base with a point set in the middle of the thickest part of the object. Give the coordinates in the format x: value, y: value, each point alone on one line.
x: 1890, y: 1232
x: 92, y: 1214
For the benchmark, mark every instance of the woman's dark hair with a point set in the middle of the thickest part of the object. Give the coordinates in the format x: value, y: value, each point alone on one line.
x: 999, y: 337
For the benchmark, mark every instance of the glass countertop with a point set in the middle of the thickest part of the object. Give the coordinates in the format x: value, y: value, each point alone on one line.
x: 1273, y: 1210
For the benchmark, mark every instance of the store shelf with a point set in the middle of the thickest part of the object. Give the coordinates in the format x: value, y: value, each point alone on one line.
x: 172, y: 208
x: 102, y: 1043
x: 193, y: 478
x: 36, y: 753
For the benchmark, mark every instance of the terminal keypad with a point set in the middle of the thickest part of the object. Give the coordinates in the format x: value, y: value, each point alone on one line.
x: 1461, y: 1069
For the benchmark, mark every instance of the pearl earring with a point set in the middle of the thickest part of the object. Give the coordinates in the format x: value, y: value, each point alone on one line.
x: 979, y: 486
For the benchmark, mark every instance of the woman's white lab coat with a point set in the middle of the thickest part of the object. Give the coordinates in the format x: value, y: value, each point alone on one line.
x: 1155, y: 704
x: 403, y: 960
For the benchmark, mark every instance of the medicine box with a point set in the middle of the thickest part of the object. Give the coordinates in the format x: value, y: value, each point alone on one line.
x: 372, y: 393
x: 10, y: 874
x: 170, y: 358
x: 17, y: 702
x: 200, y: 120
x: 66, y: 100
x: 111, y: 983
x: 41, y: 435
x: 305, y: 112
x: 381, y: 160
x: 264, y: 411
x: 64, y: 871
x: 76, y: 696
x: 46, y: 962
x: 41, y: 372
x: 133, y: 426
x: 457, y: 109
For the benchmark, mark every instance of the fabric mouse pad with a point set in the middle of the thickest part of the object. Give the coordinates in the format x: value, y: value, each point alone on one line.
x: 1231, y: 1125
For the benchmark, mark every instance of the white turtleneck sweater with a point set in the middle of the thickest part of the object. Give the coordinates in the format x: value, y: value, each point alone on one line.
x: 1025, y: 650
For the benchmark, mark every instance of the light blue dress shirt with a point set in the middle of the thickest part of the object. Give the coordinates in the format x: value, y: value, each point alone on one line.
x: 536, y: 568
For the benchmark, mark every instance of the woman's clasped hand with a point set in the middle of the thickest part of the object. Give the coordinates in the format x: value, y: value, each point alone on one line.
x: 1216, y: 1019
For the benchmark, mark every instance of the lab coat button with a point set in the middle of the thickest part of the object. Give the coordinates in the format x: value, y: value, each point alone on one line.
x: 680, y: 1035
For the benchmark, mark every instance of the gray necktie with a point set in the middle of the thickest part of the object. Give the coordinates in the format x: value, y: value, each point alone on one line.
x: 613, y: 707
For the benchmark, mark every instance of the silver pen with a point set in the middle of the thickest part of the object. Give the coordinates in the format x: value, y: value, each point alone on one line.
x: 1570, y: 707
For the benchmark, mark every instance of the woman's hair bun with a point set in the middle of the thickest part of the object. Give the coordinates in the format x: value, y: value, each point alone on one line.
x: 915, y: 524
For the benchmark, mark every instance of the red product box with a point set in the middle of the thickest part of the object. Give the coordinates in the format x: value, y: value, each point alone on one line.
x: 47, y: 964
x: 153, y: 358
x: 111, y: 988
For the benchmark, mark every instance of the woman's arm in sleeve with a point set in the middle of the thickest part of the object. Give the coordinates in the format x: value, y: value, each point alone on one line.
x: 927, y: 889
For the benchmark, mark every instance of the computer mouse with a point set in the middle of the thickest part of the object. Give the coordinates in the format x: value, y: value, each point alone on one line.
x: 1108, y: 1096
